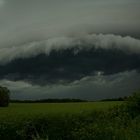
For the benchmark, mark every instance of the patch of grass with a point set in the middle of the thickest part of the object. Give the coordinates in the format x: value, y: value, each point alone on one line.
x: 69, y: 121
x: 18, y: 111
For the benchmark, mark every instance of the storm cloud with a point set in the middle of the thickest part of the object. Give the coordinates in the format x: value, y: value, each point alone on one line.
x: 80, y: 48
x: 66, y: 59
x: 109, y: 41
x: 29, y: 20
x: 92, y: 87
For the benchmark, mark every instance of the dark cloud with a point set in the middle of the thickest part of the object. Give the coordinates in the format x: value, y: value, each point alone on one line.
x: 68, y: 65
x: 60, y: 43
x: 91, y: 87
x: 90, y: 66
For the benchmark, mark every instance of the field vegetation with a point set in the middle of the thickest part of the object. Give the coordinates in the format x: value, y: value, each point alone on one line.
x: 110, y: 120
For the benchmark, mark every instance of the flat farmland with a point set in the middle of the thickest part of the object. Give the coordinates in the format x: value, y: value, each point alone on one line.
x: 17, y: 111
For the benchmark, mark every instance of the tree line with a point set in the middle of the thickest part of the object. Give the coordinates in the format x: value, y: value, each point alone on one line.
x: 65, y: 100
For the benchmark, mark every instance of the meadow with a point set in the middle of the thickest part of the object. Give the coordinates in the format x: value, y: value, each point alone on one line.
x: 17, y: 111
x: 109, y: 120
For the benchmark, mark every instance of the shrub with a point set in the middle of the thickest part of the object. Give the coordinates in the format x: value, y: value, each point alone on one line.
x: 133, y: 104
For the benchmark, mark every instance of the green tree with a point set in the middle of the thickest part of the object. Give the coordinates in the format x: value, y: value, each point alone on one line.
x: 4, y: 96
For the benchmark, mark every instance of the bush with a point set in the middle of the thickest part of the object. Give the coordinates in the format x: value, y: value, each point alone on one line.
x: 133, y: 104
x: 4, y: 96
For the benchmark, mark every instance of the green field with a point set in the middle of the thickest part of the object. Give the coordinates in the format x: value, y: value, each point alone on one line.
x: 17, y: 111
x: 108, y: 120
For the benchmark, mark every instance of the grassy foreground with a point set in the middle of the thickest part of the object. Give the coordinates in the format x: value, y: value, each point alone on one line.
x: 69, y: 121
x: 18, y: 111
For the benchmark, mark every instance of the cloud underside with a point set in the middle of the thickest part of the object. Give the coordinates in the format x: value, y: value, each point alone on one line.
x: 88, y: 67
x: 90, y: 87
x: 51, y: 49
x: 66, y: 66
x: 64, y: 60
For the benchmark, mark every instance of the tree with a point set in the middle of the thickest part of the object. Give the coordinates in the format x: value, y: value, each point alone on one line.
x: 4, y: 96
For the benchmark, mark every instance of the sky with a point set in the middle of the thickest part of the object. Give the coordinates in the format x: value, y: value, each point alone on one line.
x: 87, y: 49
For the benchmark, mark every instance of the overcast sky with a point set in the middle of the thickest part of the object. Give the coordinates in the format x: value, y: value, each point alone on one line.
x: 38, y: 19
x: 96, y: 39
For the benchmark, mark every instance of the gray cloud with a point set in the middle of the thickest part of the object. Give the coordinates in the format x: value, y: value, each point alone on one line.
x: 54, y: 48
x: 126, y: 44
x: 1, y: 2
x: 64, y: 60
x: 92, y: 87
x: 26, y: 20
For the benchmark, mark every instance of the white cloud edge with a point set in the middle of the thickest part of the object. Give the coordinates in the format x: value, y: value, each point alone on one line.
x: 104, y: 41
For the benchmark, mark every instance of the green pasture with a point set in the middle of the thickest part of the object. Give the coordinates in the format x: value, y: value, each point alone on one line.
x: 18, y: 111
x: 109, y: 120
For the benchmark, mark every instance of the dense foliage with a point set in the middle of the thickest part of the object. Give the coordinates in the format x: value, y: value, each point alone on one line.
x: 4, y: 96
x: 118, y: 123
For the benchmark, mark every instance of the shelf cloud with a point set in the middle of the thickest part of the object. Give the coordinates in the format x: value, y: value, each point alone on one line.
x: 103, y: 41
x: 77, y: 48
x: 65, y: 59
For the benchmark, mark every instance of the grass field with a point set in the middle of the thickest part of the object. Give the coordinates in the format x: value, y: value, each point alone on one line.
x: 110, y: 120
x: 17, y: 111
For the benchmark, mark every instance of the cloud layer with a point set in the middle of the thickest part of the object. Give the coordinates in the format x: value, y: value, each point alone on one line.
x: 56, y: 48
x: 1, y: 2
x: 66, y: 59
x: 126, y: 44
x: 92, y: 87
x: 23, y: 21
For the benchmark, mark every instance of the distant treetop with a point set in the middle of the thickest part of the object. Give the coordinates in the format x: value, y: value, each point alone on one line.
x: 4, y: 96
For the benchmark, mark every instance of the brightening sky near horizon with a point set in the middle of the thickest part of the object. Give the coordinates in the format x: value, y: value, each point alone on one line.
x: 87, y: 49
